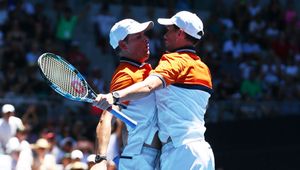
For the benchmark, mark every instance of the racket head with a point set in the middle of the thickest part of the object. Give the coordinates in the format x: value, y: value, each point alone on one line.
x: 62, y: 77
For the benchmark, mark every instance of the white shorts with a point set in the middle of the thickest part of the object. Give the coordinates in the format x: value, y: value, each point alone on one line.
x: 196, y: 155
x: 147, y: 160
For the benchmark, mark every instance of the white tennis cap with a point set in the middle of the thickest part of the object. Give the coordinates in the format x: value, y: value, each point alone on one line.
x: 76, y: 154
x: 187, y: 21
x: 125, y: 27
x: 41, y: 143
x: 91, y: 158
x: 8, y: 108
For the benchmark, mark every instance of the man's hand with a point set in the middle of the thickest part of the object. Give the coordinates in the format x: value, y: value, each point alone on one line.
x: 100, y: 166
x: 104, y: 101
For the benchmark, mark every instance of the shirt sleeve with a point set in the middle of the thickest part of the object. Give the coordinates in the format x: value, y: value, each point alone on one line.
x: 169, y: 68
x: 120, y: 81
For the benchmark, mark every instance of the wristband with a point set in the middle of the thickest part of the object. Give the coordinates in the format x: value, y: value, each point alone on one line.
x: 99, y: 158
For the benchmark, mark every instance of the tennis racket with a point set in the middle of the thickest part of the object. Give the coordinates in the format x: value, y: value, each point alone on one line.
x: 66, y: 80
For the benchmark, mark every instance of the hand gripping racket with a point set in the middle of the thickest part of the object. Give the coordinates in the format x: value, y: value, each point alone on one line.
x: 66, y: 80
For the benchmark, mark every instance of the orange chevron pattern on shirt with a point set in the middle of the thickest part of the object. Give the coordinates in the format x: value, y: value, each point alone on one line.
x: 183, y: 68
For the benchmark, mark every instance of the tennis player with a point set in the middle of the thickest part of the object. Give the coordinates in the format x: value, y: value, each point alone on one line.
x: 128, y: 39
x: 183, y: 86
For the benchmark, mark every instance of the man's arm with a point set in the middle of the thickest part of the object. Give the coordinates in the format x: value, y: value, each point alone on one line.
x: 141, y: 89
x: 133, y: 92
x: 103, y: 132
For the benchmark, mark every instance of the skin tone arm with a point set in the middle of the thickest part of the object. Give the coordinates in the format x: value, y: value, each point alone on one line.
x: 103, y: 132
x: 135, y: 91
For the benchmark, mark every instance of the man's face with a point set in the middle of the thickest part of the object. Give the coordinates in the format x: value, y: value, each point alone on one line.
x: 6, y: 116
x: 138, y: 46
x: 170, y: 37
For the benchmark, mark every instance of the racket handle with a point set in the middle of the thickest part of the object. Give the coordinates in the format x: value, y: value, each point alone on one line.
x: 132, y: 123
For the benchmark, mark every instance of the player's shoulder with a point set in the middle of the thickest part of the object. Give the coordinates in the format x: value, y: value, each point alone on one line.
x: 175, y: 55
x: 172, y: 54
x: 123, y: 72
x: 15, y: 118
x: 125, y: 67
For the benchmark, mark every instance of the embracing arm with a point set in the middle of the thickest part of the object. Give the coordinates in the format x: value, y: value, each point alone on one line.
x: 141, y: 89
x: 135, y: 91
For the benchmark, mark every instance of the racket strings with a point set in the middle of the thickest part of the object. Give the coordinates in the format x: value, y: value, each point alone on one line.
x: 62, y: 76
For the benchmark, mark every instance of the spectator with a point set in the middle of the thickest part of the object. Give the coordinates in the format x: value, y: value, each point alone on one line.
x: 41, y: 158
x: 66, y: 26
x: 254, y: 7
x: 103, y: 21
x: 33, y: 54
x: 65, y: 160
x: 53, y: 147
x: 39, y: 21
x: 97, y: 81
x: 14, y: 149
x: 252, y: 88
x: 76, y: 57
x: 8, y: 125
x: 66, y: 146
x: 91, y: 160
x: 3, y: 12
x: 76, y: 155
x: 30, y: 118
x: 77, y: 166
x: 76, y: 161
x: 233, y: 45
x: 86, y: 147
x: 19, y: 149
x: 67, y: 23
x: 281, y: 47
x: 250, y: 46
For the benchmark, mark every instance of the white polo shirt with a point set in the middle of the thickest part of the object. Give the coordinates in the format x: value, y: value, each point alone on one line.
x: 142, y: 110
x: 183, y: 101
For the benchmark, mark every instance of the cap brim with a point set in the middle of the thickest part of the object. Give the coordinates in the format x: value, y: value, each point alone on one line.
x: 143, y: 27
x: 148, y: 25
x: 35, y: 146
x: 165, y: 21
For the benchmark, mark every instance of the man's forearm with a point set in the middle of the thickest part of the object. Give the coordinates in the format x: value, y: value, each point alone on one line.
x: 140, y: 89
x: 104, y: 132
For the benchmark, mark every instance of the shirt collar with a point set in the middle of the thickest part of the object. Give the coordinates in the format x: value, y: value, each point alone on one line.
x: 185, y: 49
x: 132, y: 62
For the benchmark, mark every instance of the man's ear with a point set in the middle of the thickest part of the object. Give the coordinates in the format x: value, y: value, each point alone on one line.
x: 181, y: 33
x: 122, y: 45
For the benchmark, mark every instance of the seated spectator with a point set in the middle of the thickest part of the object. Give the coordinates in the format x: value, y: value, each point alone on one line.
x: 76, y: 155
x: 77, y: 166
x: 41, y: 158
x: 77, y: 161
x: 66, y: 146
x: 53, y: 149
x: 91, y: 160
x: 19, y: 149
x: 65, y: 160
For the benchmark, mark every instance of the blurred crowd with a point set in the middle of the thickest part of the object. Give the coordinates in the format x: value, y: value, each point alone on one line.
x: 47, y: 150
x: 251, y: 47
